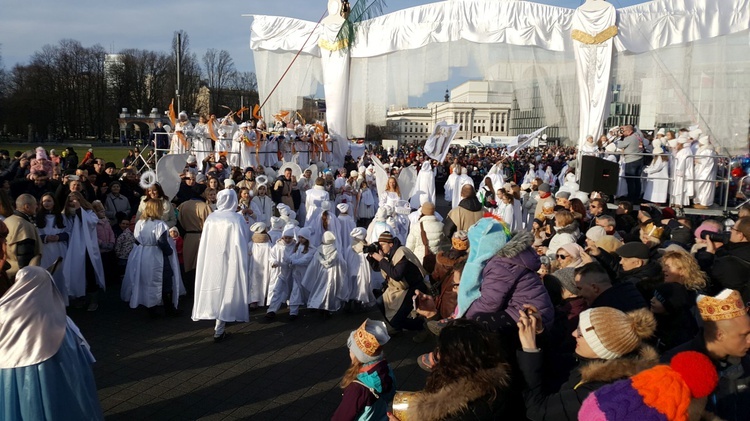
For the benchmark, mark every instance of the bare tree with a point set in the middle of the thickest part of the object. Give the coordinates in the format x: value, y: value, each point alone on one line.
x: 219, y: 70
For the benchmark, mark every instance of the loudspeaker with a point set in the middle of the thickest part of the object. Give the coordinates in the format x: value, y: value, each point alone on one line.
x: 598, y: 174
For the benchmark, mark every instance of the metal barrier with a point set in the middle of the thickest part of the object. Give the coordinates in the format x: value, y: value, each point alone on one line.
x: 724, y: 182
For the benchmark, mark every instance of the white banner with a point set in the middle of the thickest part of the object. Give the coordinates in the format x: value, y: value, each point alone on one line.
x: 440, y: 140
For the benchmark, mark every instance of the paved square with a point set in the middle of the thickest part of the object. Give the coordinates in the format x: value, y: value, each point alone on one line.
x: 170, y: 368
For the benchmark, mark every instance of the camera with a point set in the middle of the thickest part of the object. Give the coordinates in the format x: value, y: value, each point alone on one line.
x: 371, y: 248
x: 716, y: 237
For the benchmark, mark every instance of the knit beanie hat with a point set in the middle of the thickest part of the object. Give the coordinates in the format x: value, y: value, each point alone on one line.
x: 663, y: 392
x: 385, y: 237
x: 367, y: 341
x: 611, y: 333
x: 566, y: 276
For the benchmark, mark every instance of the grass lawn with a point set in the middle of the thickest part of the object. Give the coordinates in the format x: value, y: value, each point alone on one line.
x: 106, y: 152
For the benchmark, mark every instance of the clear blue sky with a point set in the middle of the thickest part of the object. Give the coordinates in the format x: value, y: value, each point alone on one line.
x: 26, y: 26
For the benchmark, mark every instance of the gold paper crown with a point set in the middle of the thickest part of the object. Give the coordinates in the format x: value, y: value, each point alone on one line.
x: 653, y: 231
x: 727, y: 305
x: 366, y: 341
x: 459, y: 244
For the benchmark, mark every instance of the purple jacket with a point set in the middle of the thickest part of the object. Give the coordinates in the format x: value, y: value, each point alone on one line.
x: 509, y: 280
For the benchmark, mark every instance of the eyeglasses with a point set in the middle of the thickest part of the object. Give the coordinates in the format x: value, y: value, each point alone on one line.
x: 562, y: 256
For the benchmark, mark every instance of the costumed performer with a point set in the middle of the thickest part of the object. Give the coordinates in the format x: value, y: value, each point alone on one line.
x: 259, y: 249
x: 83, y: 270
x: 221, y: 279
x: 152, y: 276
x: 326, y: 279
x: 346, y: 225
x: 359, y: 270
x: 302, y: 255
x: 281, y: 270
x: 45, y: 369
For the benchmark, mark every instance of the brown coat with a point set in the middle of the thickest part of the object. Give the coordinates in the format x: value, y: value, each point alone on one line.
x: 192, y: 215
x: 447, y: 301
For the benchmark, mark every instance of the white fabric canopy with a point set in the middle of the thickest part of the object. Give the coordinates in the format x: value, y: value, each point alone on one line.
x: 397, y: 56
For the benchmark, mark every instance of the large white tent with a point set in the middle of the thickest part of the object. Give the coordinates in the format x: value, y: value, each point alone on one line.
x: 685, y: 61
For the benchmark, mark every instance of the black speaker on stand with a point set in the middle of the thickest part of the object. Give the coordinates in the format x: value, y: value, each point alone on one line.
x: 598, y: 174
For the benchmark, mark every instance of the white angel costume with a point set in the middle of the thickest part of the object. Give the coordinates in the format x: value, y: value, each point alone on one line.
x: 530, y: 175
x: 424, y: 188
x: 235, y: 158
x: 313, y: 201
x: 656, y: 189
x: 326, y: 277
x: 705, y: 173
x: 52, y: 250
x: 300, y: 260
x: 221, y: 276
x: 201, y: 143
x: 183, y: 132
x: 226, y: 132
x: 83, y: 244
x: 281, y: 270
x: 277, y: 227
x: 262, y: 206
x: 260, y: 266
x: 449, y: 183
x: 247, y: 155
x: 461, y: 181
x: 346, y: 225
x: 144, y: 274
x: 360, y: 274
x: 682, y: 188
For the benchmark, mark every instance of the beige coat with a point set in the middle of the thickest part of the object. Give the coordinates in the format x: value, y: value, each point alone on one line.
x: 192, y: 215
x: 19, y: 230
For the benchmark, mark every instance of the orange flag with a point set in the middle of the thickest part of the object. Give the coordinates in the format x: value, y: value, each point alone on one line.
x: 211, y: 131
x: 256, y: 112
x: 172, y: 115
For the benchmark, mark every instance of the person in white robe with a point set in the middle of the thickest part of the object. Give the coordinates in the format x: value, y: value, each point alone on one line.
x: 183, y: 133
x: 202, y: 146
x: 222, y: 272
x: 152, y: 275
x: 239, y: 140
x: 360, y: 273
x: 414, y: 217
x: 450, y: 182
x: 262, y: 204
x: 378, y: 225
x: 705, y: 174
x: 529, y: 204
x: 530, y: 175
x: 682, y: 187
x: 313, y: 201
x: 281, y: 270
x: 657, y: 178
x: 589, y: 147
x: 461, y: 181
x: 226, y: 131
x: 424, y: 188
x: 55, y: 236
x: 83, y: 270
x: 276, y: 229
x: 326, y: 223
x: 247, y: 148
x: 365, y: 204
x: 326, y: 277
x: 304, y: 184
x: 346, y: 225
x: 302, y: 255
x: 549, y: 178
x: 505, y: 209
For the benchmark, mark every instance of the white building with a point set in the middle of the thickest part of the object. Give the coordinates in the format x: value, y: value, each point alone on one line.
x: 480, y: 108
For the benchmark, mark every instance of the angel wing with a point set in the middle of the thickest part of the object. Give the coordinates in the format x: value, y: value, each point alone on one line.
x: 296, y: 170
x: 381, y: 176
x: 168, y: 171
x: 406, y: 181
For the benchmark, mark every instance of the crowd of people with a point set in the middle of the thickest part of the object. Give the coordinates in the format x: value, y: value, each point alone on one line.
x: 547, y: 302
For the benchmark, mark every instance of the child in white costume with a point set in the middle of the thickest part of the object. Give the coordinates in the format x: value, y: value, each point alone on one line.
x: 259, y: 250
x: 277, y: 226
x: 346, y: 225
x: 326, y: 277
x: 359, y: 270
x: 281, y: 270
x: 302, y: 255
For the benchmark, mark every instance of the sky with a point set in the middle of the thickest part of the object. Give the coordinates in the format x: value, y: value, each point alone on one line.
x: 26, y: 26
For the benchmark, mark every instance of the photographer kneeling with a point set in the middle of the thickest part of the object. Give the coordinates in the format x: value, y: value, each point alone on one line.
x: 732, y: 261
x: 403, y: 276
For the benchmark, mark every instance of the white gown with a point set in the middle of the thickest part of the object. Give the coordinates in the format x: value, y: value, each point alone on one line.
x: 82, y: 239
x: 325, y: 280
x: 280, y: 256
x: 226, y: 133
x: 461, y: 181
x: 51, y: 251
x: 261, y: 284
x: 424, y: 188
x: 262, y: 207
x: 705, y: 169
x: 300, y: 261
x: 334, y: 226
x: 235, y: 158
x: 682, y: 188
x: 177, y: 146
x: 221, y: 276
x: 314, y: 199
x: 449, y: 186
x: 201, y: 144
x: 346, y: 225
x: 657, y: 191
x: 142, y: 284
x: 360, y: 276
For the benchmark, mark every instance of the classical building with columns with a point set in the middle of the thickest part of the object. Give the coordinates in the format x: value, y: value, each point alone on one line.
x: 479, y: 107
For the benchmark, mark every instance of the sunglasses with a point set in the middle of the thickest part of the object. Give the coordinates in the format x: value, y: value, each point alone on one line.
x: 562, y: 256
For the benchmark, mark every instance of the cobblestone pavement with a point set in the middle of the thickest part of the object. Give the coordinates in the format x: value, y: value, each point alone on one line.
x: 170, y: 368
